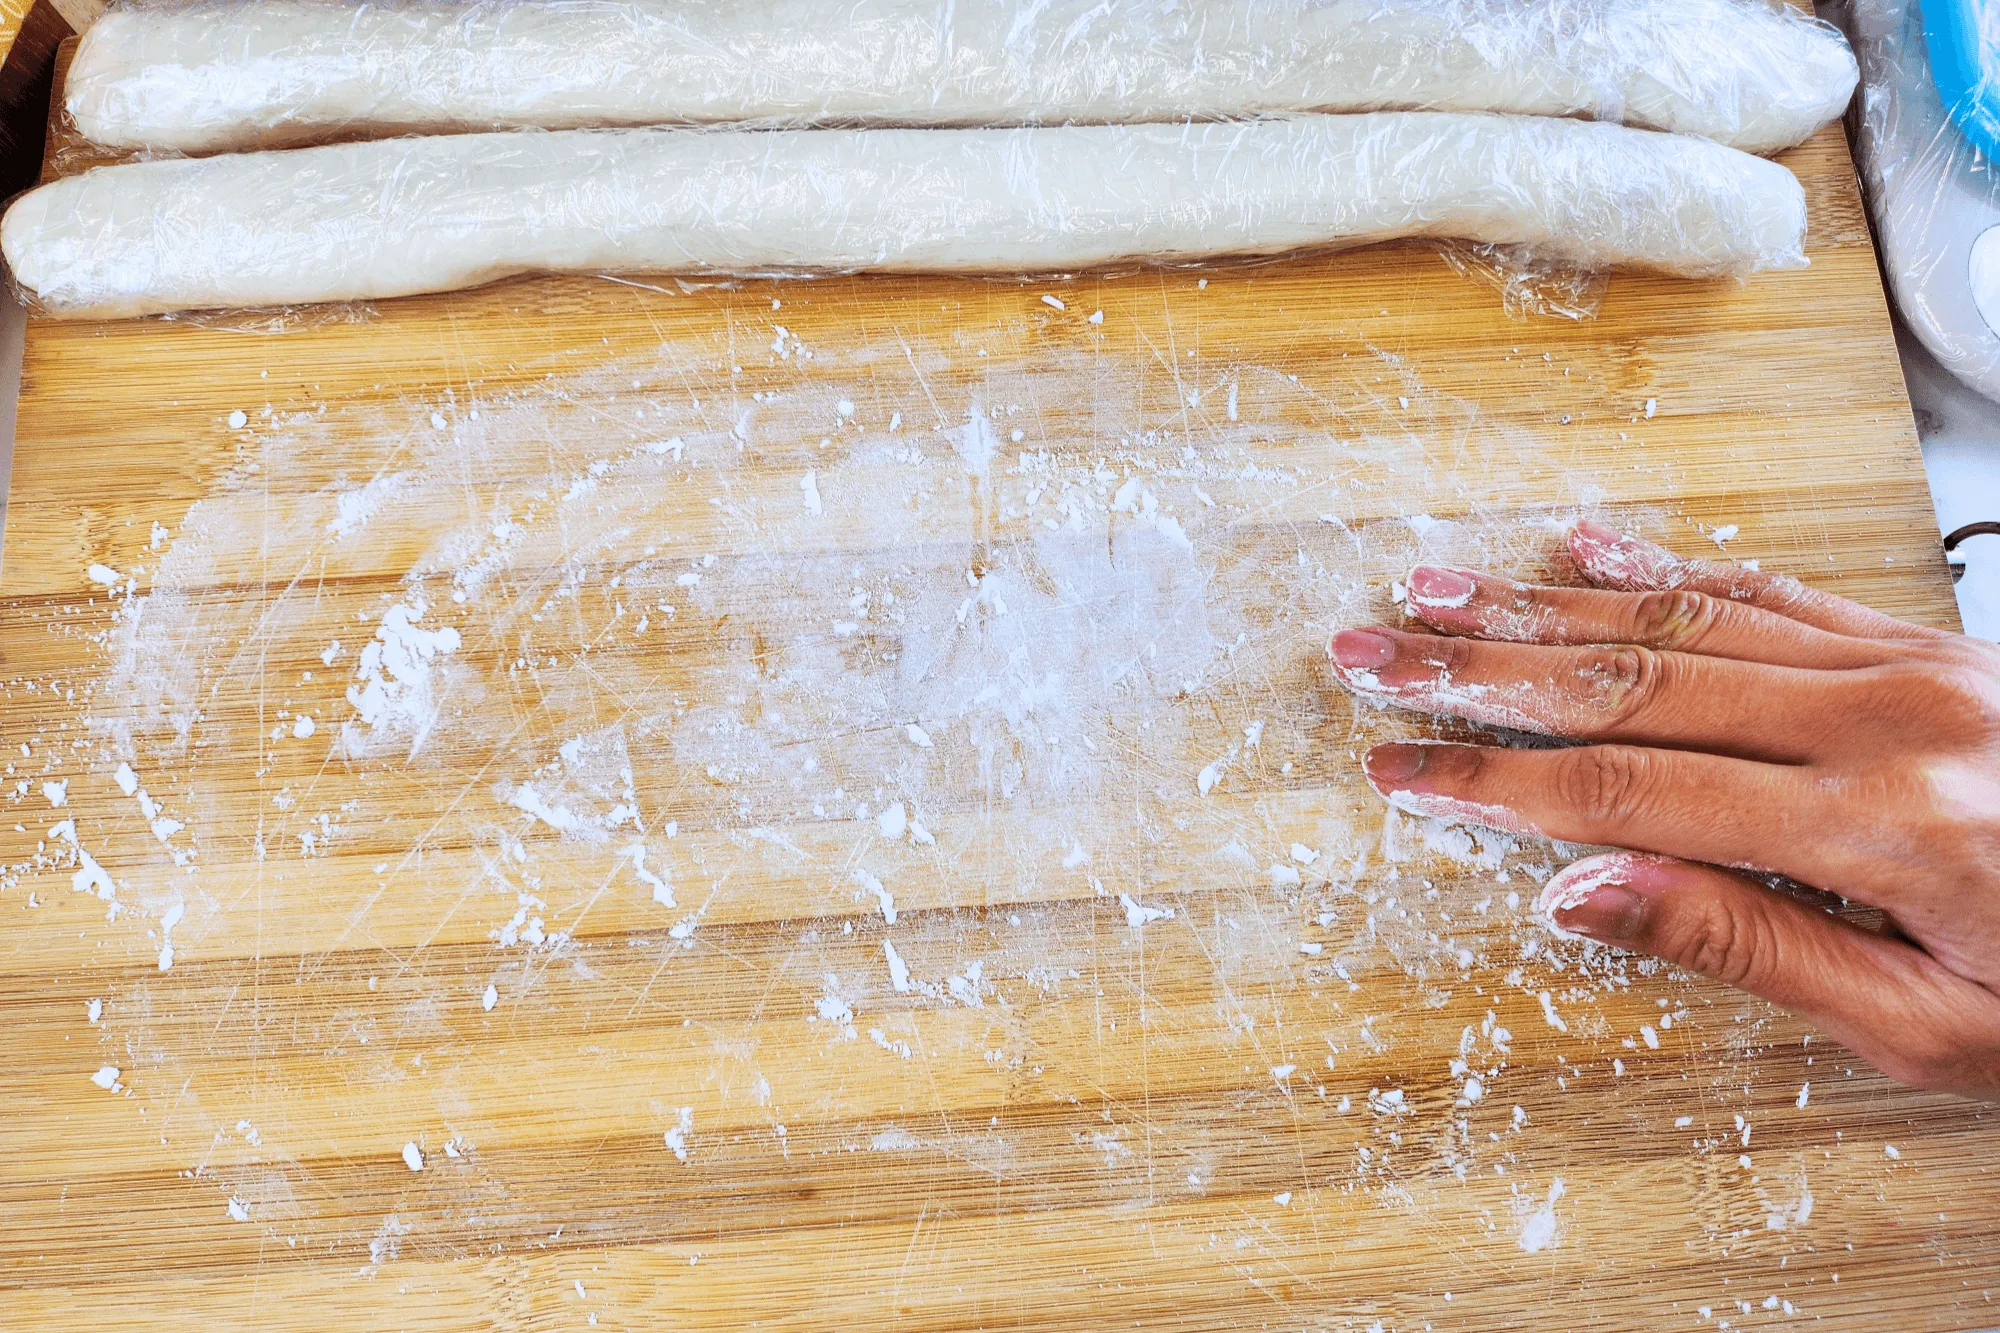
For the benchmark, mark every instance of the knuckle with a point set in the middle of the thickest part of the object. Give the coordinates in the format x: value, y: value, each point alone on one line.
x: 1729, y: 942
x: 1448, y: 652
x: 1952, y: 695
x: 1951, y: 818
x: 1607, y: 784
x: 1973, y: 696
x: 1622, y: 681
x: 1676, y: 618
x: 1471, y: 769
x: 1944, y: 819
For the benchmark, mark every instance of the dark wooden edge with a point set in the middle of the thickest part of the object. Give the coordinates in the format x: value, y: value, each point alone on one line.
x: 27, y: 82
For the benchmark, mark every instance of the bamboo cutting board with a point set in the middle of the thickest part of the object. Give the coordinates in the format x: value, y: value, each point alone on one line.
x: 589, y: 804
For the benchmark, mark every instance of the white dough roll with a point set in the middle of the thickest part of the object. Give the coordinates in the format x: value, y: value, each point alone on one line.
x: 271, y: 73
x: 395, y: 217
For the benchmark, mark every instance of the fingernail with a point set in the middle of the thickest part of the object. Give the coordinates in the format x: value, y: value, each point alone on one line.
x: 1434, y: 585
x: 1611, y: 913
x: 1596, y: 897
x: 1619, y: 559
x: 1394, y: 763
x: 1596, y: 533
x: 1361, y: 648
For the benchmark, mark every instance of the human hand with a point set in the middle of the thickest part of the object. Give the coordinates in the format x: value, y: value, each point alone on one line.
x: 1729, y: 718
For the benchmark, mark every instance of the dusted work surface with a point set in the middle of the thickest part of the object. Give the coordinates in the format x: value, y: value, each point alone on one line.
x: 813, y: 805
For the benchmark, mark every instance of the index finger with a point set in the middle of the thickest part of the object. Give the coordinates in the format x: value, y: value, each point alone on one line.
x: 1487, y: 606
x: 1613, y: 559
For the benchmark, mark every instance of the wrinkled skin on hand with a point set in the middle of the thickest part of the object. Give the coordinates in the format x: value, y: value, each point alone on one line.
x: 1729, y: 721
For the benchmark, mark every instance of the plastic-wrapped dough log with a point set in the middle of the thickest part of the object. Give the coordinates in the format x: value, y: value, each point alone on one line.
x: 236, y: 75
x: 390, y: 217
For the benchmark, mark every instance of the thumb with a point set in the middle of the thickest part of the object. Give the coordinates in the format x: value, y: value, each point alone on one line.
x: 1890, y: 1002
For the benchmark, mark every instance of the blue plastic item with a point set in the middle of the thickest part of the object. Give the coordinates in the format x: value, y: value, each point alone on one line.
x: 1965, y: 65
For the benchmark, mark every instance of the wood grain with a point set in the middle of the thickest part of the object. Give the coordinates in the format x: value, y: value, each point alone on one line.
x: 1175, y: 1125
x: 79, y: 14
x: 30, y: 34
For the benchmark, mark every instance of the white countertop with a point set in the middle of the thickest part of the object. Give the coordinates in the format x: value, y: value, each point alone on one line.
x: 1961, y: 437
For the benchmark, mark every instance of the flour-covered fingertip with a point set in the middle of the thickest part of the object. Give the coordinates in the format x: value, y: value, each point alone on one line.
x: 1361, y: 649
x: 1619, y: 560
x: 1440, y: 587
x: 1386, y: 765
x: 1601, y: 897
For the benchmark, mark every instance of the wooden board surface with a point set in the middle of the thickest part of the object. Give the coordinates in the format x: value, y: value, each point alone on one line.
x: 707, y: 558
